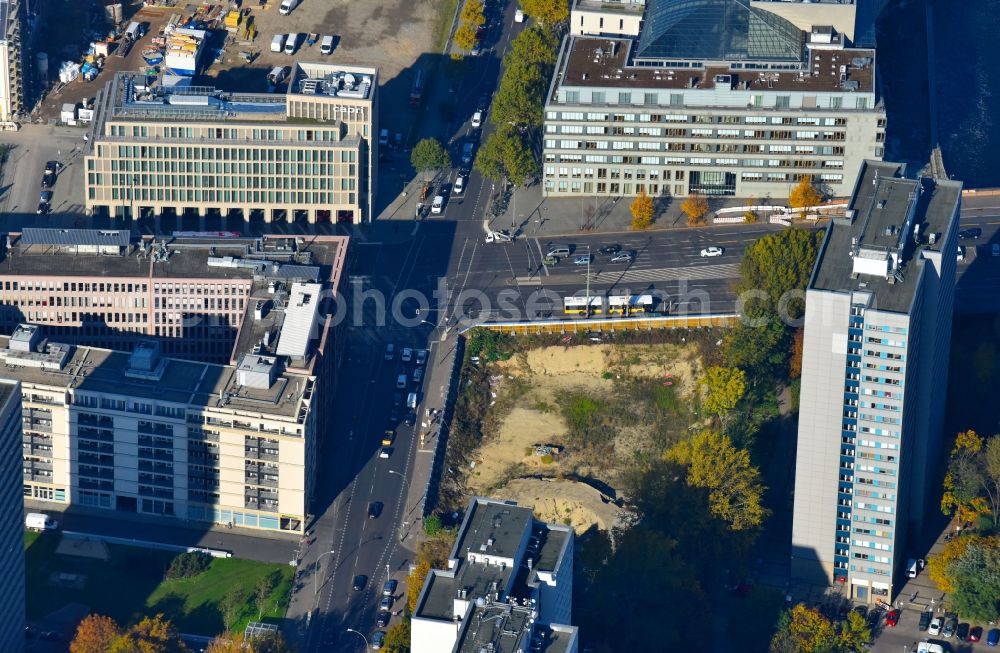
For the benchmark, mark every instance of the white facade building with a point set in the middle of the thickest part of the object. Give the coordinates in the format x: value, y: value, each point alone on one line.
x: 11, y: 60
x: 508, y: 587
x: 714, y: 97
x: 875, y: 365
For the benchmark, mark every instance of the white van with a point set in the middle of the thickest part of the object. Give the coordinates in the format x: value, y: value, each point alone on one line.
x: 411, y: 400
x: 39, y: 521
x: 326, y: 45
x: 278, y: 43
x: 287, y: 6
x: 292, y: 43
x: 134, y: 32
x: 518, y: 16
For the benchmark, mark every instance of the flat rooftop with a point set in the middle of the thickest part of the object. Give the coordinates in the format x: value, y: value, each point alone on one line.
x: 182, y: 381
x: 498, y: 628
x: 611, y: 6
x: 333, y: 80
x: 187, y: 258
x: 131, y: 98
x: 883, y: 213
x: 608, y: 62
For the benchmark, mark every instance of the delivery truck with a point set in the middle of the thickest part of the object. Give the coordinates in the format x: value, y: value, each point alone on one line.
x: 37, y: 521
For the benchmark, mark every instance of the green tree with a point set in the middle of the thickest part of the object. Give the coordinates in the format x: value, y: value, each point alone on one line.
x: 547, y: 12
x: 695, y: 207
x: 642, y: 211
x: 976, y: 576
x: 853, y: 634
x: 724, y: 388
x: 963, y: 482
x: 232, y: 606
x: 534, y: 46
x: 939, y: 566
x: 473, y: 12
x: 760, y: 348
x: 429, y: 155
x: 804, y: 195
x: 151, y: 635
x: 778, y: 266
x: 519, y: 98
x: 397, y: 638
x: 506, y: 156
x: 735, y: 491
x: 262, y: 591
x: 238, y: 643
x: 465, y: 36
x: 804, y: 630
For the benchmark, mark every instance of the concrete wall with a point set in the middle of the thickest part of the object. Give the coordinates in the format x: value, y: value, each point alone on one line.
x: 818, y: 451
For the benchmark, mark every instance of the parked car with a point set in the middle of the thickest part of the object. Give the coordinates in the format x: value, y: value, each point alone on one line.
x: 389, y: 588
x: 382, y: 620
x: 48, y: 180
x: 711, y: 252
x: 459, y: 185
x: 385, y: 603
x: 418, y: 375
x: 374, y: 509
x: 976, y: 634
x: 971, y: 234
x: 582, y: 260
x: 359, y: 582
x: 995, y: 249
x: 52, y: 167
x: 44, y: 202
x: 934, y: 628
x: 962, y: 632
x: 925, y: 620
x: 437, y: 206
x: 421, y: 356
x: 467, y: 153
x: 407, y: 355
x: 477, y: 119
x: 384, y: 452
x: 411, y: 418
x: 387, y: 437
x: 950, y: 626
x: 390, y: 351
x: 378, y: 639
x: 993, y: 637
x: 892, y: 619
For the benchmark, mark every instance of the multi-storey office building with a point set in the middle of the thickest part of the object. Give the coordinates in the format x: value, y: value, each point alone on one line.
x: 12, y: 603
x: 874, y: 369
x: 715, y: 97
x: 103, y: 288
x: 11, y: 60
x: 307, y: 154
x: 508, y: 587
x: 140, y: 433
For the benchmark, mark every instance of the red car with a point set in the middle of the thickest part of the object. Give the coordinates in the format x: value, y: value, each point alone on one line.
x: 892, y: 619
x: 976, y: 634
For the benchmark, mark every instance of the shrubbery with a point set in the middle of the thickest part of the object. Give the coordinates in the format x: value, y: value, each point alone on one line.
x: 189, y: 564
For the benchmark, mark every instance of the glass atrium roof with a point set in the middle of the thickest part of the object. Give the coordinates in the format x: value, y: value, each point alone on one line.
x: 716, y: 30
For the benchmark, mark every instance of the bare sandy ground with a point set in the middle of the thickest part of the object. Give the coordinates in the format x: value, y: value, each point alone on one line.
x: 534, y: 419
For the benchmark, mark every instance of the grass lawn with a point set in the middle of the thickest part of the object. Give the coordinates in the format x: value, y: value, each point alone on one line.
x: 442, y: 29
x: 132, y: 584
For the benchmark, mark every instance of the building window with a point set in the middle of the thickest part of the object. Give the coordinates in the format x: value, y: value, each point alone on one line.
x: 782, y: 101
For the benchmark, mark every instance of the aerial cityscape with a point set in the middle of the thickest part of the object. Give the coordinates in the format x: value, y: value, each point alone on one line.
x: 499, y: 326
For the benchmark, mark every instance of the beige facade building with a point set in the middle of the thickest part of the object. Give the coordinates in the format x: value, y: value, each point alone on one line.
x: 139, y: 433
x: 11, y: 60
x: 607, y: 17
x: 714, y: 97
x: 102, y: 288
x: 307, y: 154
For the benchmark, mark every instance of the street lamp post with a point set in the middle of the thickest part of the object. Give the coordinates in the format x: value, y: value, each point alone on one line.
x: 316, y: 577
x: 588, y: 281
x: 406, y: 487
x: 359, y: 634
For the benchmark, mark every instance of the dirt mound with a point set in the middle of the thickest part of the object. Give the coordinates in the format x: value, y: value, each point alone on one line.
x: 565, y: 502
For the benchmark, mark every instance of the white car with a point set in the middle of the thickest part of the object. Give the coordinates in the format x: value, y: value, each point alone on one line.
x: 459, y: 185
x: 935, y: 627
x: 407, y: 354
x: 437, y: 207
x: 711, y: 251
x: 384, y: 452
x: 477, y: 119
x: 421, y: 356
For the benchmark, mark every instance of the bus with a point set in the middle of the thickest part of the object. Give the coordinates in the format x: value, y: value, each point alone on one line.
x: 628, y: 304
x: 578, y: 304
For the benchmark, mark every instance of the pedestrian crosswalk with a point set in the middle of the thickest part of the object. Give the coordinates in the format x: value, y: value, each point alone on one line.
x: 690, y: 273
